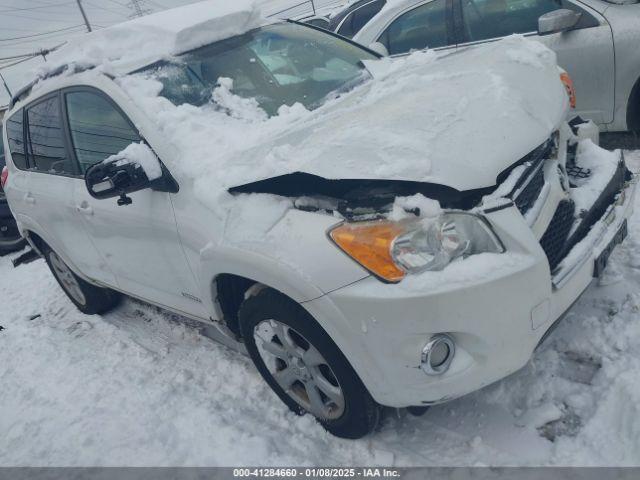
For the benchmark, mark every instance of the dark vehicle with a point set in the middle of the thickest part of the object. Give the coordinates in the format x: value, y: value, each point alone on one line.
x: 10, y: 238
x: 349, y: 20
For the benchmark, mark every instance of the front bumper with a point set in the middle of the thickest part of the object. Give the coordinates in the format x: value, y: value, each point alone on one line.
x: 497, y: 308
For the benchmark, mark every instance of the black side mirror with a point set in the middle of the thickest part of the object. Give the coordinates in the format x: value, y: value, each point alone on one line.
x: 122, y: 174
x: 113, y: 179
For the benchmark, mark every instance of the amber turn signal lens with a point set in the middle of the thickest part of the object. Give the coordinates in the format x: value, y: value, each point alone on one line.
x: 369, y: 244
x: 568, y: 85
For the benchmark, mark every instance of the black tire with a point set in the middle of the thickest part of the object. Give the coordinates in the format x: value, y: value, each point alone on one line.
x: 361, y: 413
x: 93, y: 300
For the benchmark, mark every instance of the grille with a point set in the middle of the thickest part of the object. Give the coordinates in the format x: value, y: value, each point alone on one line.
x: 554, y: 240
x: 576, y: 172
x: 530, y: 193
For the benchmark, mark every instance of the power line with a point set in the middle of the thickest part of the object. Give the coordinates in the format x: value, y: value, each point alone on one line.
x: 105, y: 9
x: 37, y: 19
x: 19, y: 9
x: 15, y: 56
x: 38, y: 34
x: 157, y: 5
x: 118, y: 3
x: 43, y: 52
x: 2, y: 67
x: 44, y: 39
x: 5, y: 85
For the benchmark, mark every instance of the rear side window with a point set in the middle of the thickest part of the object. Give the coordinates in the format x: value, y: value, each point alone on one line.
x: 45, y: 138
x: 15, y: 135
x: 98, y: 129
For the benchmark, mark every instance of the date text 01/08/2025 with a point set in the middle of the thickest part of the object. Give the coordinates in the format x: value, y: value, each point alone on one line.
x: 317, y: 472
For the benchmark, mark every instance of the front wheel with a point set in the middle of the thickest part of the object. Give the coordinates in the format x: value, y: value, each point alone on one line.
x: 88, y: 298
x: 304, y: 367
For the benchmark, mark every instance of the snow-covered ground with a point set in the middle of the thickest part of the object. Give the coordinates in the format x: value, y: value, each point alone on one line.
x: 140, y: 387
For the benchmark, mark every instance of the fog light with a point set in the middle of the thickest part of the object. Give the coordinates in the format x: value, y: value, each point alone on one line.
x: 438, y: 354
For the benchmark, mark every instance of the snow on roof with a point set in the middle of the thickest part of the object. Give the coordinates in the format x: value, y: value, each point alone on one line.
x: 144, y: 40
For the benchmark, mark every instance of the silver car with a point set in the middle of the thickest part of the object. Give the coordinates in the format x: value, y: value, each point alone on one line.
x: 597, y: 42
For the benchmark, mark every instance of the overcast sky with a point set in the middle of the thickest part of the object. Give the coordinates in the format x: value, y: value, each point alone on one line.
x: 30, y: 25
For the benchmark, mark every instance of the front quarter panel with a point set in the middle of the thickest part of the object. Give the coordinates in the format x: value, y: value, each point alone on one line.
x: 625, y: 23
x: 292, y: 254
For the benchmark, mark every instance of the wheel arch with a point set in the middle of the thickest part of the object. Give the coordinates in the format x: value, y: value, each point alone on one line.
x: 231, y: 287
x: 36, y: 241
x: 324, y: 312
x: 633, y: 108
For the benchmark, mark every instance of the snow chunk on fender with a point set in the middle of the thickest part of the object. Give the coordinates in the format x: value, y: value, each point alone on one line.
x: 403, y: 207
x: 141, y: 154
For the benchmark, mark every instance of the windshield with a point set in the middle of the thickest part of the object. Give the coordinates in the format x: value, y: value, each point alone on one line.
x: 276, y: 65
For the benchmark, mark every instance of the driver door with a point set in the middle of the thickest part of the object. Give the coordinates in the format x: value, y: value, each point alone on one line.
x: 139, y: 241
x: 586, y: 52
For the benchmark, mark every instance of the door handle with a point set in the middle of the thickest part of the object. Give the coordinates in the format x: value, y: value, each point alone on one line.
x: 29, y: 199
x: 85, y: 208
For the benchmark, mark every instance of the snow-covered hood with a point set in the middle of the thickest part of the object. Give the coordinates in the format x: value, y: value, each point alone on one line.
x: 457, y: 121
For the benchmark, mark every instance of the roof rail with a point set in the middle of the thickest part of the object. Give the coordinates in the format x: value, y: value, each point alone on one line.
x: 24, y: 92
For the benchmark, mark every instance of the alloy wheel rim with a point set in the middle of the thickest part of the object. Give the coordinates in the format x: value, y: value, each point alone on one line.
x: 67, y: 278
x: 299, y: 369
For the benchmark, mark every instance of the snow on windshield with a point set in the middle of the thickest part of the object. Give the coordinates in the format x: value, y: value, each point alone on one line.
x: 275, y: 65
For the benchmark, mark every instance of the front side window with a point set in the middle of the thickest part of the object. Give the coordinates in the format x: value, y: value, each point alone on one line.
x: 487, y: 19
x: 423, y: 27
x: 15, y: 136
x: 98, y: 130
x: 360, y: 17
x: 277, y: 65
x: 45, y: 138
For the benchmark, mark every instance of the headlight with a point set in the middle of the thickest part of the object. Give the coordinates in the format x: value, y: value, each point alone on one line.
x: 390, y: 250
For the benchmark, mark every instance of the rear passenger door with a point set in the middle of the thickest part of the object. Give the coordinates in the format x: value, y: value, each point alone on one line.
x: 51, y: 176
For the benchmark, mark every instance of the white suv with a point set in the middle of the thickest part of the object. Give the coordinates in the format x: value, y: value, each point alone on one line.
x: 373, y: 232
